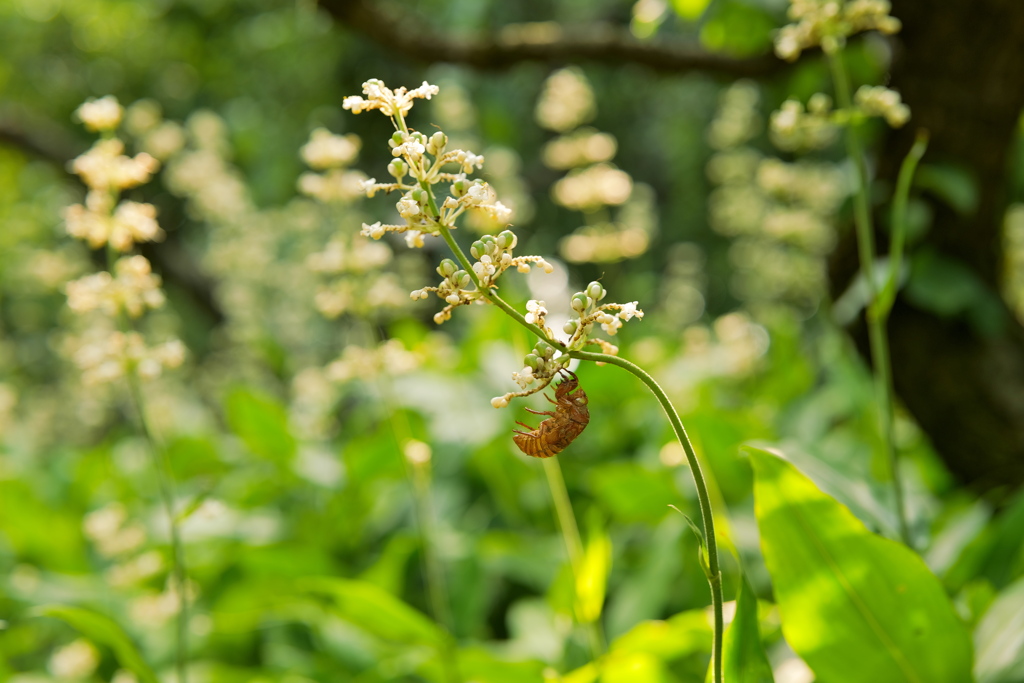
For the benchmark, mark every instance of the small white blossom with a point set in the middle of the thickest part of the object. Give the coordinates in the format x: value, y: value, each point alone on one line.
x: 100, y: 115
x: 375, y: 231
x: 535, y: 312
x: 499, y: 402
x: 627, y: 311
x: 414, y: 239
x: 408, y: 207
x: 524, y: 377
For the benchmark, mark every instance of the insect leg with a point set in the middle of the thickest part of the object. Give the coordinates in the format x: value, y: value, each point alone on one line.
x: 522, y: 425
x: 541, y: 412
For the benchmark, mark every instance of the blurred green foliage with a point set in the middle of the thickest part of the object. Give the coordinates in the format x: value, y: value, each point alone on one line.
x: 303, y: 538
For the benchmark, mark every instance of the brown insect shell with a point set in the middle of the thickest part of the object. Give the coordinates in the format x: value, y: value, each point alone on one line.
x: 567, y: 421
x: 572, y: 399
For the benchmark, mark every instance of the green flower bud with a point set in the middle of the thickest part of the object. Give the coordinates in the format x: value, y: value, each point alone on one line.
x: 571, y: 326
x: 543, y: 349
x: 595, y: 291
x: 459, y: 187
x: 579, y: 302
x: 462, y: 279
x: 419, y: 195
x: 446, y: 268
x: 532, y: 360
x: 397, y: 138
x: 507, y: 239
x: 398, y: 168
x: 438, y: 141
x: 478, y: 249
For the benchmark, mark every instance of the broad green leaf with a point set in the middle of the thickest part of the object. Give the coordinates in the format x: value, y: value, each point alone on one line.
x: 856, y: 607
x: 633, y: 667
x: 478, y: 664
x: 743, y: 656
x: 376, y: 611
x: 593, y: 578
x: 262, y: 423
x: 999, y: 638
x: 679, y: 636
x: 103, y: 630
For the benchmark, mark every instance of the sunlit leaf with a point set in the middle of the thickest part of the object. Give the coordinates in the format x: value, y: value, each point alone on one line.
x: 743, y: 656
x: 593, y: 577
x: 103, y: 630
x: 678, y: 636
x: 856, y: 607
x: 262, y: 423
x: 690, y: 9
x: 999, y: 638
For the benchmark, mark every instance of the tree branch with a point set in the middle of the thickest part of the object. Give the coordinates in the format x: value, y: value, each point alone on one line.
x: 541, y: 41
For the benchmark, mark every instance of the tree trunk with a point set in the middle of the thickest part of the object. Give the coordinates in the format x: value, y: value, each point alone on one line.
x: 959, y: 64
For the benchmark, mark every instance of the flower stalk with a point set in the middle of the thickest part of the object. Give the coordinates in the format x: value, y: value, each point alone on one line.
x: 468, y: 282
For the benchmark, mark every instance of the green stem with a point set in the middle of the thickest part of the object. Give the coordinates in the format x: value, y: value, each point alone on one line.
x: 418, y: 474
x: 165, y: 479
x: 877, y: 337
x: 436, y: 587
x: 707, y: 519
x: 573, y: 544
x: 165, y: 483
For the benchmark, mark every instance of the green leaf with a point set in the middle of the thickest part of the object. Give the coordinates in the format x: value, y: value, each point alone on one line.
x: 593, y: 578
x: 377, y: 611
x: 956, y: 186
x: 743, y: 656
x: 856, y: 607
x: 103, y: 630
x: 999, y: 638
x: 690, y: 9
x: 262, y: 423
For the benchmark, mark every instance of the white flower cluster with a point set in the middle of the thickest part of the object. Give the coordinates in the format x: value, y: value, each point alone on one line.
x: 100, y: 115
x: 331, y: 154
x: 391, y: 102
x: 391, y: 358
x: 493, y: 256
x: 881, y: 101
x: 794, y: 128
x: 828, y: 22
x: 132, y: 288
x: 120, y: 354
x: 546, y: 360
x: 423, y: 159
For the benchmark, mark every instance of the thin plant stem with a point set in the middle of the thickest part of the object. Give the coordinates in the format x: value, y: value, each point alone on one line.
x: 165, y: 484
x: 436, y: 586
x: 165, y: 479
x: 712, y: 570
x: 878, y: 340
x: 573, y: 545
x: 418, y: 475
x: 714, y: 574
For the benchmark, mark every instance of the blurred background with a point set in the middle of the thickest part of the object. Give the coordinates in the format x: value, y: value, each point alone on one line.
x: 321, y: 418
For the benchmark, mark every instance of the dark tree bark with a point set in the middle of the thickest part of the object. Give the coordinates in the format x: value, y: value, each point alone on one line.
x: 960, y: 66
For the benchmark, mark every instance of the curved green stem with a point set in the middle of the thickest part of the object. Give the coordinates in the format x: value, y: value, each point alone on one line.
x: 877, y: 337
x: 704, y: 499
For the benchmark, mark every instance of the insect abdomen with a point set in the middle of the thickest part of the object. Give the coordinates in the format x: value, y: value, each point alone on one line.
x: 565, y: 423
